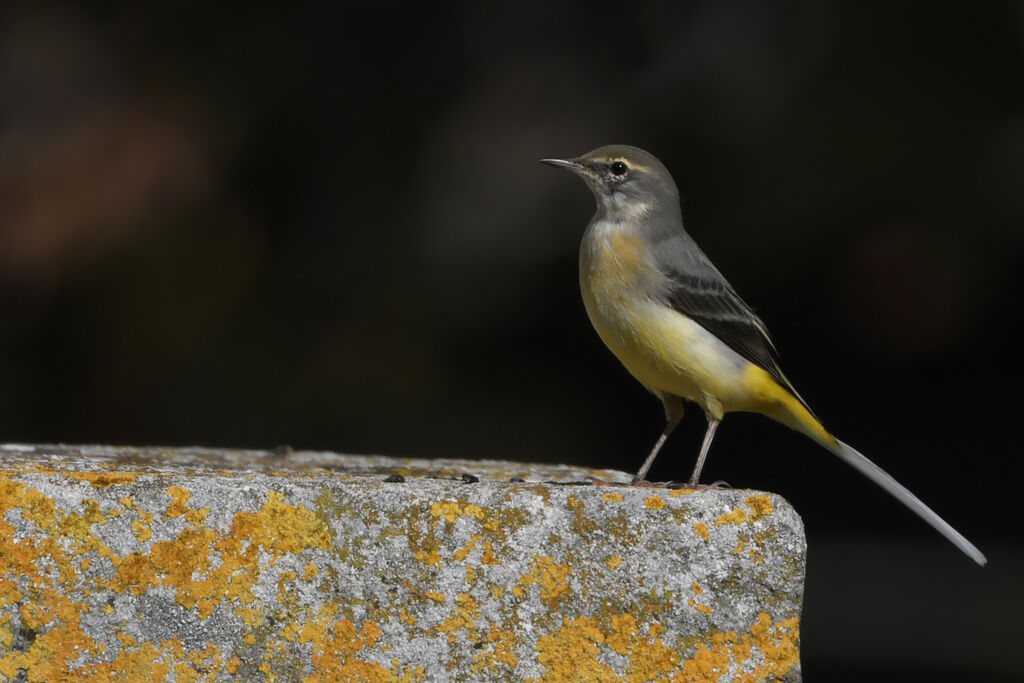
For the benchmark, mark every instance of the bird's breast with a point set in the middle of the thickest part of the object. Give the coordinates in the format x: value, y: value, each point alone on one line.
x: 616, y: 276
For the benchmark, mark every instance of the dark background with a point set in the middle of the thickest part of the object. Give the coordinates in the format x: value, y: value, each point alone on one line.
x: 325, y: 226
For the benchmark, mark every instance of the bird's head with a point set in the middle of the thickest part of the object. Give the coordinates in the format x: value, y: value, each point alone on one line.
x: 625, y: 180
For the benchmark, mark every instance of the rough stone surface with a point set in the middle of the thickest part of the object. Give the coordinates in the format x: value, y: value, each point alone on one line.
x: 204, y: 565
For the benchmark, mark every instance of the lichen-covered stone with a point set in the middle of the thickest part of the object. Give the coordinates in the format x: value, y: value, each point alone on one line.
x: 207, y: 565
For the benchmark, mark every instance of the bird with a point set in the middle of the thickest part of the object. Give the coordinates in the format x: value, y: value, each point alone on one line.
x: 677, y: 325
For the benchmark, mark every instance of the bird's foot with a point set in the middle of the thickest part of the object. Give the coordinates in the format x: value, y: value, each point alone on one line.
x: 602, y: 482
x: 643, y: 483
x: 715, y: 485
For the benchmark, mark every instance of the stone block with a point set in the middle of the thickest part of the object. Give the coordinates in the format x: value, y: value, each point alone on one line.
x: 213, y: 565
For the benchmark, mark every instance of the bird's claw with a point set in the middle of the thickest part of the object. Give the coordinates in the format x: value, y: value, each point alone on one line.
x: 715, y: 485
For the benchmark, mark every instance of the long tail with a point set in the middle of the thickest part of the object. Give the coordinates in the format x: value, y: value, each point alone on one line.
x: 796, y: 416
x: 856, y: 459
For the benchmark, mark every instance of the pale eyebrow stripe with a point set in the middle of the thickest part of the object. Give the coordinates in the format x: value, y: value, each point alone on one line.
x: 633, y: 166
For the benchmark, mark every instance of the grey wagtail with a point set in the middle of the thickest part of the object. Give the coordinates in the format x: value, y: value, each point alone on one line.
x: 679, y: 327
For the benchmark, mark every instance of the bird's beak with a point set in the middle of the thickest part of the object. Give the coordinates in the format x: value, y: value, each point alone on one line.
x: 571, y: 164
x: 575, y: 165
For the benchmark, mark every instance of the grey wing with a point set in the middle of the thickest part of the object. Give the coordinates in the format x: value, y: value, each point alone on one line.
x: 700, y: 292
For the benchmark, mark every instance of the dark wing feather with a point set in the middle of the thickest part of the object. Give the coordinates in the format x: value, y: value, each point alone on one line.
x: 712, y: 303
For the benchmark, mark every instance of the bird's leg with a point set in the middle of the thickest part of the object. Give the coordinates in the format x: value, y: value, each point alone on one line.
x: 642, y: 472
x: 673, y: 415
x: 708, y: 436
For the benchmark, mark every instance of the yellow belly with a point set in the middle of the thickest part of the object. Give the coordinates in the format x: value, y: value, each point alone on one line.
x: 669, y: 353
x: 665, y: 350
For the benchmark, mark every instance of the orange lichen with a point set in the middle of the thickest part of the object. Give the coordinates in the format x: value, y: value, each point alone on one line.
x: 613, y: 561
x: 461, y: 618
x: 649, y: 657
x: 179, y: 501
x: 777, y: 643
x: 337, y: 660
x: 581, y: 524
x: 78, y: 525
x: 461, y: 553
x: 612, y: 497
x: 426, y: 537
x: 219, y: 567
x: 488, y: 556
x: 52, y: 651
x: 141, y: 530
x: 760, y: 505
x: 571, y: 653
x: 99, y: 479
x: 250, y: 616
x: 146, y: 662
x: 318, y: 627
x: 552, y: 576
x: 703, y: 609
x: 34, y: 506
x: 431, y: 558
x: 697, y: 590
x: 737, y: 516
x: 282, y: 528
x: 498, y: 658
x: 701, y: 530
x: 448, y: 511
x: 654, y: 502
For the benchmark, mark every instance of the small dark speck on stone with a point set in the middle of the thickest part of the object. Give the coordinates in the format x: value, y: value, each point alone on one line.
x: 570, y: 483
x: 517, y: 480
x: 395, y: 479
x: 470, y: 478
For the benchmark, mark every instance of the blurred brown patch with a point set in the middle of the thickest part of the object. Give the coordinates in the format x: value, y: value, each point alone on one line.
x: 72, y: 190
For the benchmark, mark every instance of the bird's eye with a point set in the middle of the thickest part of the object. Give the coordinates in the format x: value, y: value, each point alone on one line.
x: 619, y: 168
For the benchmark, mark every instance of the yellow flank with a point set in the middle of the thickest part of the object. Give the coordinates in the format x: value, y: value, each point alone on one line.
x: 668, y: 352
x: 665, y: 350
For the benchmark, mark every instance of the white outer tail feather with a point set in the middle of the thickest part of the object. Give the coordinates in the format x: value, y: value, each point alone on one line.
x: 859, y: 462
